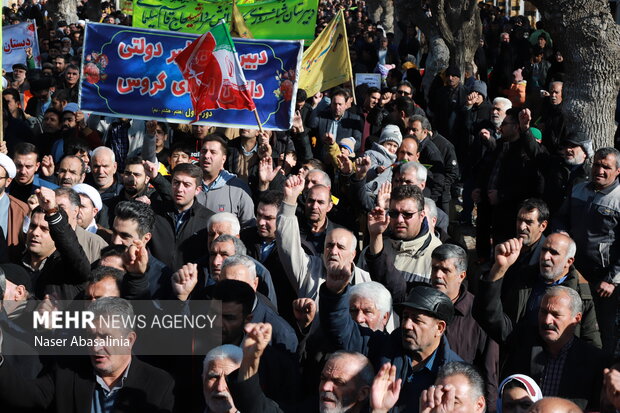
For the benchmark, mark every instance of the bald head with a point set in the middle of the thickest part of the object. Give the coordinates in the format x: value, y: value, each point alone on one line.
x: 554, y: 405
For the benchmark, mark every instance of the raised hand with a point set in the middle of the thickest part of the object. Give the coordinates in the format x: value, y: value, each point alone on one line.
x: 344, y: 164
x: 3, y: 148
x: 611, y: 386
x: 385, y: 389
x: 438, y: 399
x: 378, y: 222
x: 304, y: 310
x: 485, y: 134
x: 48, y: 305
x: 362, y: 166
x: 298, y: 124
x: 338, y: 277
x: 266, y: 172
x: 257, y: 337
x: 293, y: 188
x: 136, y: 258
x: 525, y: 117
x: 383, y: 196
x: 47, y: 165
x: 151, y: 127
x: 46, y: 198
x: 471, y: 99
x: 151, y: 169
x: 506, y: 253
x: 184, y: 280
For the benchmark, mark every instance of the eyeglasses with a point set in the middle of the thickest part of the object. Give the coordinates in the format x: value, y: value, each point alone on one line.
x: 406, y: 215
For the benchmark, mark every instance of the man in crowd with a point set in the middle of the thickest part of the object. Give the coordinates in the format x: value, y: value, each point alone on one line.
x: 590, y: 216
x: 26, y: 159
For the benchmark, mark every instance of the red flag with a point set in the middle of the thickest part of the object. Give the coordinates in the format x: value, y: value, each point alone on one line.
x: 213, y: 73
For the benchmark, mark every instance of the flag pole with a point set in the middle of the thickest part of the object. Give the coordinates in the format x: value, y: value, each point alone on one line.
x: 346, y: 43
x: 260, y: 126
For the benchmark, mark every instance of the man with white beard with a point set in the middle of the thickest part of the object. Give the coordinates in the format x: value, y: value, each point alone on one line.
x: 219, y: 363
x: 522, y: 295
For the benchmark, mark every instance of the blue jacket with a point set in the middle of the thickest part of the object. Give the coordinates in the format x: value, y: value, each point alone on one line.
x: 380, y: 347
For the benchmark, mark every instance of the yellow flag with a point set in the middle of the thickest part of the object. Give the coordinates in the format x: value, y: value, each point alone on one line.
x: 238, y: 28
x: 326, y: 62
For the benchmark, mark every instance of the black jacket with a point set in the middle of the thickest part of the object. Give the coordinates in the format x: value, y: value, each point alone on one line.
x: 69, y: 387
x: 350, y: 125
x: 174, y: 248
x: 66, y: 271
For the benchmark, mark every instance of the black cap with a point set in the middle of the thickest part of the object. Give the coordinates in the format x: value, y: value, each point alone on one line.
x: 453, y: 71
x: 17, y: 275
x: 19, y: 66
x: 429, y: 300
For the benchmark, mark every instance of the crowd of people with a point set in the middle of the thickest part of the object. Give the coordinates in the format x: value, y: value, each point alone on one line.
x: 450, y: 248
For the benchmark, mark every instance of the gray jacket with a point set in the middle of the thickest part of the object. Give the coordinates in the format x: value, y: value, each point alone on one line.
x: 229, y: 194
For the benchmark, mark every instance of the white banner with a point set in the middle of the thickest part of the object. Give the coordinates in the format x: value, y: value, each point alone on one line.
x: 16, y: 38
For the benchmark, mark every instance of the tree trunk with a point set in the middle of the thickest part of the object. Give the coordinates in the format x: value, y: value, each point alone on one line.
x: 460, y: 27
x: 589, y: 39
x: 456, y: 22
x: 92, y: 10
x: 63, y: 10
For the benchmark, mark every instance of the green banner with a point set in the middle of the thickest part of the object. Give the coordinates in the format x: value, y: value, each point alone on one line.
x: 266, y: 19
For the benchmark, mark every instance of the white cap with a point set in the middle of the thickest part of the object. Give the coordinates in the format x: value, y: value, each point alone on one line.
x: 8, y: 165
x: 90, y: 192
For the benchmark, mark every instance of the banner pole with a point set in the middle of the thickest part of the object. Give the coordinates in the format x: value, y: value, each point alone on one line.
x: 346, y: 43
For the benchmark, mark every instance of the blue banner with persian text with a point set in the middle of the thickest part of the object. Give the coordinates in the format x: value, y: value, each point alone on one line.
x: 130, y: 72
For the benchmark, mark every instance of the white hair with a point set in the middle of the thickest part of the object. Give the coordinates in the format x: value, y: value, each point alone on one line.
x: 503, y: 102
x: 228, y: 217
x: 432, y: 208
x: 226, y: 351
x: 241, y: 260
x: 421, y: 173
x: 102, y: 150
x: 576, y: 303
x: 325, y: 179
x: 374, y: 292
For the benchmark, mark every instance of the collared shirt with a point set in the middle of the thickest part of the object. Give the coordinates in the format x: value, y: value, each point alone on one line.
x: 92, y: 227
x: 207, y: 187
x: 552, y: 375
x: 180, y: 218
x: 265, y: 249
x: 418, y: 380
x: 105, y: 397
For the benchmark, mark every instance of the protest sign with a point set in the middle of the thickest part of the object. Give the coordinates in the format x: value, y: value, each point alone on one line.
x: 16, y: 38
x: 129, y: 72
x: 371, y: 79
x: 266, y: 19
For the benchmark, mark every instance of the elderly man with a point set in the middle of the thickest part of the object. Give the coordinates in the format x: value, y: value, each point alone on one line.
x: 71, y: 171
x: 554, y: 405
x: 590, y: 215
x: 521, y: 293
x: 418, y: 348
x: 532, y: 221
x: 82, y: 386
x: 219, y: 363
x: 561, y: 363
x: 307, y: 272
x: 345, y: 380
x: 103, y: 174
x: 459, y: 385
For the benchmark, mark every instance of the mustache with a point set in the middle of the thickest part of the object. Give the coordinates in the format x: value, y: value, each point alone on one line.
x: 550, y: 327
x: 329, y: 396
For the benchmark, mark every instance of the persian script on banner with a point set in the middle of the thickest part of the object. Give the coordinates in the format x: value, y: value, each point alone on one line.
x: 266, y: 19
x: 130, y: 72
x: 16, y: 38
